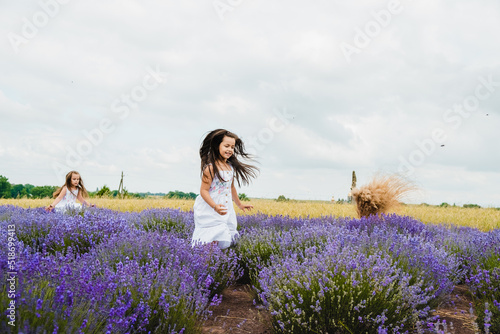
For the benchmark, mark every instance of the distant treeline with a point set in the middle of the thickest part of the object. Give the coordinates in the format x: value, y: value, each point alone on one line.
x: 9, y: 190
x: 180, y: 195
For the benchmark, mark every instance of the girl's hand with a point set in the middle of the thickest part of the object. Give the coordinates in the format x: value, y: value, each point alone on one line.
x: 246, y: 207
x: 49, y: 208
x: 220, y: 209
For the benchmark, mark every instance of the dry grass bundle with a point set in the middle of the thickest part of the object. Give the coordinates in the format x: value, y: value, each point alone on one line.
x: 381, y: 195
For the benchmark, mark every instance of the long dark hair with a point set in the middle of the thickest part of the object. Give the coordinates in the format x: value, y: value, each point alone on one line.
x: 80, y: 187
x: 210, y: 154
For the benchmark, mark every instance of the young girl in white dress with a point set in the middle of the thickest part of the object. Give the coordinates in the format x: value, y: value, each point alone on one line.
x: 214, y: 215
x: 69, y: 193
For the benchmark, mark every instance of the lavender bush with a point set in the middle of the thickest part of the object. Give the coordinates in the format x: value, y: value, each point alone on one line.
x: 424, y: 264
x: 101, y: 271
x: 337, y: 292
x: 484, y: 281
x: 165, y: 221
x: 54, y: 232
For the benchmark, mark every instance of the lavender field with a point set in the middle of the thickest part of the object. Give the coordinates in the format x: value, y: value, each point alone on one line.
x: 104, y: 271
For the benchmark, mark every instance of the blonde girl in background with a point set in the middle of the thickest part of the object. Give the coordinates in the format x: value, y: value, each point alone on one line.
x: 67, y: 196
x: 214, y: 214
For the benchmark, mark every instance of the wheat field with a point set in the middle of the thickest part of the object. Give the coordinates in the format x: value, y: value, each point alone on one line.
x: 484, y: 219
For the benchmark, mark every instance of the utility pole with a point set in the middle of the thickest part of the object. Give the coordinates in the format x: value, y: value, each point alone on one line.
x: 120, y: 187
x: 353, y: 185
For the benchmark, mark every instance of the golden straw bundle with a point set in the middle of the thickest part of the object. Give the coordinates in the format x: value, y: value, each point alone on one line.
x: 381, y: 195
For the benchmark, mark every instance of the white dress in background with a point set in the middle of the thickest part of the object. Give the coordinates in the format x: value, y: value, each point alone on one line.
x: 69, y: 201
x: 211, y: 226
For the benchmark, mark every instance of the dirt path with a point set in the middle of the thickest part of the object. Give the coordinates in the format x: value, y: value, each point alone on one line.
x: 238, y: 314
x: 456, y: 311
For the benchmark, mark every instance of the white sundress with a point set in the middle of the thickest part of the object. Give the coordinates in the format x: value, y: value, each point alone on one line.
x: 69, y: 201
x: 211, y: 226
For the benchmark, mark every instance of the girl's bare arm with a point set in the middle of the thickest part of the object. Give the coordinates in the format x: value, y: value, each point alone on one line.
x: 81, y: 199
x: 58, y: 199
x: 237, y: 201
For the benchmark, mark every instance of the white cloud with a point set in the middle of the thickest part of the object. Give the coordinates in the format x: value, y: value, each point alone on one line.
x: 230, y: 105
x: 234, y: 74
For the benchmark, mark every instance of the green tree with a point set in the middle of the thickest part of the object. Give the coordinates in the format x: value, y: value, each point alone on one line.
x: 28, y: 188
x: 243, y: 197
x: 4, y: 187
x: 473, y: 206
x: 180, y: 195
x: 104, y: 191
x: 282, y: 198
x: 43, y: 191
x: 18, y: 191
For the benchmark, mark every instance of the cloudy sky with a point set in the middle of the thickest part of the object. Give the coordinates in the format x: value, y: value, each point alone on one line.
x: 316, y: 89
